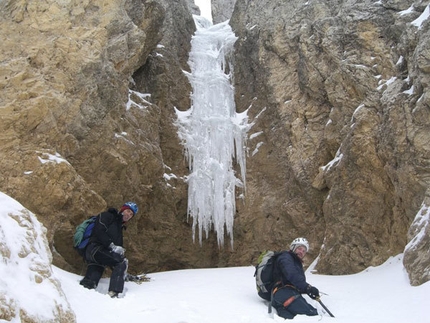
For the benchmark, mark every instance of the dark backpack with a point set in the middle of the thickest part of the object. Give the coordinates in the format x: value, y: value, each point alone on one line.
x: 264, y: 274
x: 83, y: 234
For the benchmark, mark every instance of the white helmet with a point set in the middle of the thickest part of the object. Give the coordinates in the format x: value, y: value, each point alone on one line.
x: 299, y: 242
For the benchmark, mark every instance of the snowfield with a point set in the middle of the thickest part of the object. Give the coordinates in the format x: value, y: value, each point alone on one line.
x: 228, y: 295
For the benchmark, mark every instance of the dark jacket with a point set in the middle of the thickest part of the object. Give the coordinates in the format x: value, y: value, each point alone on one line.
x: 108, y: 229
x: 289, y: 267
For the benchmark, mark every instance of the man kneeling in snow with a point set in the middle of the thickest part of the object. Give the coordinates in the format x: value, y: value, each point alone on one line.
x: 287, y: 298
x: 105, y: 249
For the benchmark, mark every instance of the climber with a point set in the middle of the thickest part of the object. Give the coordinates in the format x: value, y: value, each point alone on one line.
x: 105, y: 249
x: 287, y: 295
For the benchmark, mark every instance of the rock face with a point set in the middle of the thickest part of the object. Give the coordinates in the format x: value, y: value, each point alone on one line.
x: 194, y: 9
x: 222, y: 10
x: 76, y: 135
x: 416, y: 259
x: 343, y: 151
x: 339, y: 152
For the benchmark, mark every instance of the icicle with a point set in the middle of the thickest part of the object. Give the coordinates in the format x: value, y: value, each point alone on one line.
x: 212, y: 133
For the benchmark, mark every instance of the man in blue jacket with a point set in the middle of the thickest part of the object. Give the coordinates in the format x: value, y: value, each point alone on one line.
x: 287, y: 298
x: 105, y: 249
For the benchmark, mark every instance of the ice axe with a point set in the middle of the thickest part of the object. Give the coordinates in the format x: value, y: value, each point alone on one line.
x: 324, y: 307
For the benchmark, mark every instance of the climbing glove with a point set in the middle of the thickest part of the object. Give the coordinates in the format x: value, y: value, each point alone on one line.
x: 312, y: 292
x: 117, y: 249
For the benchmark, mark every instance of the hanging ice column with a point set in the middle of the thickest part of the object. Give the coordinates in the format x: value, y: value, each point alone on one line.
x: 212, y: 133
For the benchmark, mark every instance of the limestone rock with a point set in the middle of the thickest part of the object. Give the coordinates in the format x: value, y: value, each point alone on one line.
x: 416, y: 259
x: 341, y: 149
x: 222, y: 10
x: 194, y: 9
x: 68, y: 77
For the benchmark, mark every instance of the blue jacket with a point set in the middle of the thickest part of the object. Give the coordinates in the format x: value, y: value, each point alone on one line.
x: 289, y: 268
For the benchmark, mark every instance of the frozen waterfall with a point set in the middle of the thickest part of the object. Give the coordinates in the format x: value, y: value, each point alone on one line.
x: 213, y: 134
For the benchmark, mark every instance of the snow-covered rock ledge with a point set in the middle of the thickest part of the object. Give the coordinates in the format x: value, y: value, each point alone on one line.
x: 29, y: 292
x: 416, y: 256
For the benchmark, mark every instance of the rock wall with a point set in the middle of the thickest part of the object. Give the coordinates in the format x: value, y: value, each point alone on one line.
x: 222, y: 10
x: 416, y: 259
x: 341, y: 91
x: 77, y: 135
x: 194, y: 9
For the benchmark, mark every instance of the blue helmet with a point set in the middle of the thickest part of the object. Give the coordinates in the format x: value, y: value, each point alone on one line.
x: 130, y: 205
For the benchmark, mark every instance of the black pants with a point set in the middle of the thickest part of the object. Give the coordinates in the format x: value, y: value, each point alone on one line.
x: 288, y: 302
x: 98, y: 258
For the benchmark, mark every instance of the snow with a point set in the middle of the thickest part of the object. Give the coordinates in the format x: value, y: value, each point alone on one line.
x: 386, y: 83
x: 423, y: 17
x: 407, y: 11
x: 26, y: 278
x: 410, y: 91
x: 377, y: 295
x: 50, y: 158
x: 420, y: 222
x: 142, y: 96
x: 357, y: 110
x: 334, y: 161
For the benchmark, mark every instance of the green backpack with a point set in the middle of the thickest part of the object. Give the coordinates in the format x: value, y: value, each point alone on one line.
x: 83, y: 234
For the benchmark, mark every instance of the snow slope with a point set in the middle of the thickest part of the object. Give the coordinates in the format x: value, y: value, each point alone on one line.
x: 225, y: 295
